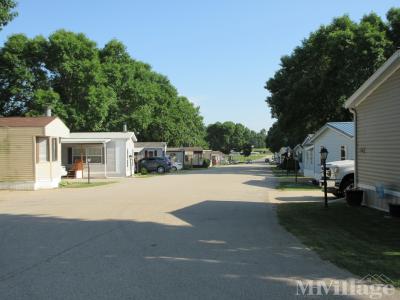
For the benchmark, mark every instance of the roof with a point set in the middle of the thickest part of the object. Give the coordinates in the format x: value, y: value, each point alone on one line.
x: 383, y: 73
x: 25, y: 121
x: 218, y: 152
x: 84, y: 141
x: 150, y: 145
x: 193, y: 148
x: 175, y: 149
x: 307, y: 139
x: 103, y: 135
x: 345, y: 128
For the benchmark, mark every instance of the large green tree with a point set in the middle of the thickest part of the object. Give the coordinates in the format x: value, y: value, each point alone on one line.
x: 94, y: 89
x: 229, y: 136
x: 7, y: 12
x: 314, y: 81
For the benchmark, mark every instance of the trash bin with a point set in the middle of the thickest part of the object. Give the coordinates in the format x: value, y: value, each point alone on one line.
x: 354, y: 197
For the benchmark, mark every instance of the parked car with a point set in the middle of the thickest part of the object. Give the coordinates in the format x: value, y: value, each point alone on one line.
x: 176, y: 166
x: 339, y: 177
x: 155, y: 164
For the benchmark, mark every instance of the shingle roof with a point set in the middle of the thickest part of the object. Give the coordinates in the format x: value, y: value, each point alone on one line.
x: 175, y: 149
x: 25, y: 121
x: 151, y: 144
x: 103, y: 135
x: 345, y: 127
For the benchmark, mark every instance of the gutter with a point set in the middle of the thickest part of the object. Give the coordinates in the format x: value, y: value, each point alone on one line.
x: 354, y: 112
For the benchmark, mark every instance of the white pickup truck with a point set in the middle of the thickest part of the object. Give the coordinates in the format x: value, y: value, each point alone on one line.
x: 340, y: 176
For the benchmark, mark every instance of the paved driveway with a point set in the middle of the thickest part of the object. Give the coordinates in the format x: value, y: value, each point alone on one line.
x: 209, y: 234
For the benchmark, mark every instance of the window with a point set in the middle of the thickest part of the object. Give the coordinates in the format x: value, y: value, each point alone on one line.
x: 95, y: 153
x: 70, y: 161
x: 343, y: 152
x: 54, y: 149
x: 42, y: 149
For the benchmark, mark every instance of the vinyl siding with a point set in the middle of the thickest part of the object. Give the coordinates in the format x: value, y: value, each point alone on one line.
x: 378, y: 125
x: 17, y: 153
x: 332, y: 140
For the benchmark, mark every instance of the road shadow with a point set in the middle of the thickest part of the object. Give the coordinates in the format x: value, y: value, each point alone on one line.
x: 242, y: 169
x: 227, y: 250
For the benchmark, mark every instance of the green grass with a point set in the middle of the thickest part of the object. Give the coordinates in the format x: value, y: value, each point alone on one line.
x: 283, y: 173
x: 82, y: 184
x: 266, y: 150
x: 359, y: 239
x: 242, y: 158
x: 293, y: 186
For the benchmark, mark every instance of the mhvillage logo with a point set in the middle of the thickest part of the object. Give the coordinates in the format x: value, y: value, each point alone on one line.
x: 373, y: 286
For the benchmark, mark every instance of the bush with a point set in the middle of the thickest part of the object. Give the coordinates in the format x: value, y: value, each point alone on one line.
x: 187, y: 167
x: 289, y: 164
x: 144, y: 171
x: 206, y: 163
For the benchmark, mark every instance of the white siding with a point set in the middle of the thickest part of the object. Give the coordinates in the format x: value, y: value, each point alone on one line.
x: 332, y: 140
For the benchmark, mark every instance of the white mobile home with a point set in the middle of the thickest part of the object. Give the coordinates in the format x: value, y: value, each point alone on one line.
x: 337, y: 137
x: 30, y: 152
x: 376, y: 109
x: 150, y: 149
x: 111, y: 154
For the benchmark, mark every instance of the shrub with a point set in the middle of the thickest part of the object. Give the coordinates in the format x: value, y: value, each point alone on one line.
x: 289, y: 164
x: 144, y: 171
x: 206, y: 163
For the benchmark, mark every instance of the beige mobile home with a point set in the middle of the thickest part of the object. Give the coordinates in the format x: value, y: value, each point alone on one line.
x: 30, y: 152
x: 376, y: 109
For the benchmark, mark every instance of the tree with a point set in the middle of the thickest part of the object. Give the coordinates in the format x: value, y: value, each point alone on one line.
x: 276, y: 138
x: 314, y: 81
x: 393, y: 17
x: 94, y: 89
x: 229, y: 136
x: 247, y: 149
x: 6, y: 12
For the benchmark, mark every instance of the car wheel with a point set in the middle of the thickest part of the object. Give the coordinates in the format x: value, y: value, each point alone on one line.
x: 160, y: 170
x: 174, y: 169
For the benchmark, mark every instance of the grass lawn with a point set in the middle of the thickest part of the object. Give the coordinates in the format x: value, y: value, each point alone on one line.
x: 82, y: 184
x: 359, y: 239
x: 283, y: 173
x: 292, y: 186
x: 242, y: 158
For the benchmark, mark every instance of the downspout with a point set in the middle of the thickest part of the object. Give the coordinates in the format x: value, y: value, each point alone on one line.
x: 354, y: 112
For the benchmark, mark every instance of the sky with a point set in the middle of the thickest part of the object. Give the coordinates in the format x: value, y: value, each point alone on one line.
x: 218, y: 53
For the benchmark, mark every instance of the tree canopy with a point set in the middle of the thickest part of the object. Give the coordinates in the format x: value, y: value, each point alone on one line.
x: 7, y: 12
x: 229, y: 136
x: 94, y: 89
x: 313, y: 81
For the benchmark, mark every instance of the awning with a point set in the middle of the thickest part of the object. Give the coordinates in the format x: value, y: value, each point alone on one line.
x: 138, y: 149
x: 84, y: 141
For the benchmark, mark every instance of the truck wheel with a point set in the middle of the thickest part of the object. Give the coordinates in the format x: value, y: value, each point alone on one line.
x: 338, y: 195
x: 160, y: 170
x: 347, y: 185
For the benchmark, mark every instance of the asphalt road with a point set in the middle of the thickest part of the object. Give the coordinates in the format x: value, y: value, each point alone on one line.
x: 210, y: 234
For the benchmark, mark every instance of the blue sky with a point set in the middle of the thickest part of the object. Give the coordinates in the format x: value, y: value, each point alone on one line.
x: 217, y: 53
